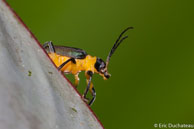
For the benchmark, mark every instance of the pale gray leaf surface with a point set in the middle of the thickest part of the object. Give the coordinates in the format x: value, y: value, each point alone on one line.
x: 33, y: 94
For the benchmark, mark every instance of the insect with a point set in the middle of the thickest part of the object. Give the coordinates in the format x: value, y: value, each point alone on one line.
x: 74, y: 60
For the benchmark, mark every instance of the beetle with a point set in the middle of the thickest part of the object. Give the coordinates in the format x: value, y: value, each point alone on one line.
x: 74, y: 60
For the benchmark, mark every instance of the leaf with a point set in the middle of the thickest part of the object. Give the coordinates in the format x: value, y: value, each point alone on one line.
x: 43, y: 100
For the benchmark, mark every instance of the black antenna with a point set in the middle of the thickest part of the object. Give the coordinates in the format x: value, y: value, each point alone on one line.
x: 117, y: 43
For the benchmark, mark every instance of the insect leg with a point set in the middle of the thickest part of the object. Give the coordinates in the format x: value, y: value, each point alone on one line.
x: 89, y: 85
x: 76, y: 80
x: 50, y: 45
x: 63, y: 64
x: 92, y: 90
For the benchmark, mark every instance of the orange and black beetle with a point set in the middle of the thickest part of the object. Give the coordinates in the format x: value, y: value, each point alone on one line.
x: 74, y: 60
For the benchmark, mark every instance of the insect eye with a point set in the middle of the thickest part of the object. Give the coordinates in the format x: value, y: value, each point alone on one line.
x: 100, y: 65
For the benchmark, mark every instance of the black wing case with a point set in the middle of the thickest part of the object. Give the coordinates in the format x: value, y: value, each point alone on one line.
x: 72, y: 52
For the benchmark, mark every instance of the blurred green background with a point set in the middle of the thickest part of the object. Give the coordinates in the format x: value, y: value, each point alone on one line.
x: 152, y: 71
